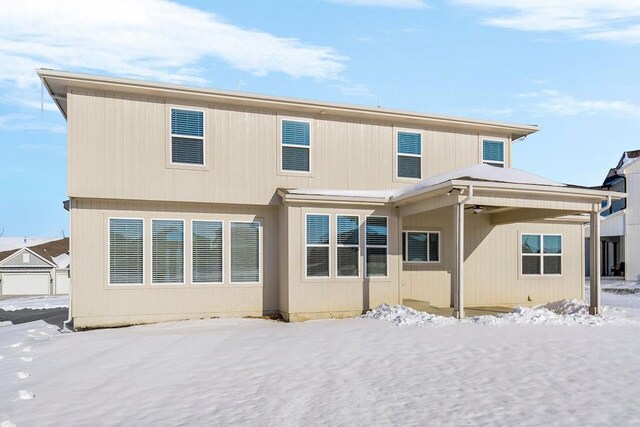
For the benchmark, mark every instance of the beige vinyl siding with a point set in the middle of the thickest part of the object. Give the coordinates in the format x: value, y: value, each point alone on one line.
x: 95, y: 303
x: 632, y: 226
x: 492, y: 262
x: 335, y: 296
x: 119, y: 148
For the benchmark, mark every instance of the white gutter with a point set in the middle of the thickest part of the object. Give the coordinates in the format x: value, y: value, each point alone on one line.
x: 595, y: 305
x: 459, y: 306
x: 69, y: 316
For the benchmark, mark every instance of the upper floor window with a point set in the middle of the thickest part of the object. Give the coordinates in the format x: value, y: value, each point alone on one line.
x: 541, y: 254
x: 409, y: 155
x: 187, y: 136
x: 493, y: 152
x: 296, y: 146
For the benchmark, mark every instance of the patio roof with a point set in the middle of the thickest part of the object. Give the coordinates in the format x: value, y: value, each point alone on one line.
x: 480, y: 176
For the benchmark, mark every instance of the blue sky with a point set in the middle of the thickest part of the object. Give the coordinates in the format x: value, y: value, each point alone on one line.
x: 572, y: 68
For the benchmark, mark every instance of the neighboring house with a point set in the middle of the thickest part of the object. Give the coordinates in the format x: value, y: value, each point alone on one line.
x: 189, y: 203
x: 36, y: 270
x: 620, y: 226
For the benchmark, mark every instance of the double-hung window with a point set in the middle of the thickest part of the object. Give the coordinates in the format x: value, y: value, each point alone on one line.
x: 347, y: 245
x: 296, y: 146
x: 493, y: 152
x: 187, y: 136
x: 421, y: 246
x: 126, y: 251
x: 207, y: 251
x: 541, y: 254
x: 245, y: 252
x: 409, y: 155
x: 376, y: 246
x: 167, y: 251
x: 317, y: 243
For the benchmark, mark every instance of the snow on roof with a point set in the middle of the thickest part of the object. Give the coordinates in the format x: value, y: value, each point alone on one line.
x: 62, y: 260
x: 480, y: 172
x: 11, y: 243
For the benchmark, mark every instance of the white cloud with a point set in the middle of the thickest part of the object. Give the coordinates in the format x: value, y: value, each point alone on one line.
x: 398, y: 4
x: 553, y: 102
x: 355, y: 89
x: 614, y: 20
x: 151, y: 39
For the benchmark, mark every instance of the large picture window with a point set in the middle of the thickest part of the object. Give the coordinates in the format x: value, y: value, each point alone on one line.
x: 541, y: 254
x: 317, y: 244
x: 296, y: 146
x: 376, y: 246
x: 409, y: 155
x: 347, y: 245
x: 245, y: 252
x: 207, y: 251
x: 167, y: 251
x: 187, y: 136
x: 126, y: 251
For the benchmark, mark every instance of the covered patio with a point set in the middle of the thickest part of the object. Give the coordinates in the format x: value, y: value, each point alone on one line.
x: 503, y: 197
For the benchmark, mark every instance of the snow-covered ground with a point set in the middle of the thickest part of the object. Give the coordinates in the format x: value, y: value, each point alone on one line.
x: 510, y: 370
x: 34, y: 303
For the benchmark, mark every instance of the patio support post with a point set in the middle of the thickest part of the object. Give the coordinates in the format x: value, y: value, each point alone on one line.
x: 594, y: 281
x: 458, y: 310
x: 458, y: 307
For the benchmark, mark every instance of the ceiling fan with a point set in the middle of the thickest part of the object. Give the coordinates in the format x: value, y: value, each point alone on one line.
x: 477, y: 209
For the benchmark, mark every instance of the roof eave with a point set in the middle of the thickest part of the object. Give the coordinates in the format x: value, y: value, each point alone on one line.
x: 240, y: 98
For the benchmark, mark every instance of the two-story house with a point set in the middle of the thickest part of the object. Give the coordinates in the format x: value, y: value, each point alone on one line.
x: 189, y: 203
x: 620, y: 229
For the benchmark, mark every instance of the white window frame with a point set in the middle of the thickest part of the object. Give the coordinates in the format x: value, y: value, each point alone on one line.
x: 144, y: 251
x: 203, y: 137
x: 398, y: 154
x: 193, y: 282
x: 281, y: 144
x: 313, y: 245
x: 541, y: 255
x: 184, y: 252
x: 504, y: 150
x: 338, y: 245
x: 367, y: 246
x: 427, y: 232
x: 260, y: 253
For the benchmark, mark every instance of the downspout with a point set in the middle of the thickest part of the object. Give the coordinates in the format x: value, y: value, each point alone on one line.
x: 69, y: 316
x: 459, y: 308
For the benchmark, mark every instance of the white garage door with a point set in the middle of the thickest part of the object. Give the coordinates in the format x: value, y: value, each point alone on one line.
x: 25, y: 284
x: 62, y: 282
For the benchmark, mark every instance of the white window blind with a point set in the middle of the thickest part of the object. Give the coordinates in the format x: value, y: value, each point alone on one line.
x: 409, y: 153
x: 421, y: 246
x: 296, y: 143
x: 167, y: 251
x: 187, y: 136
x: 126, y: 255
x: 207, y: 251
x: 317, y: 245
x: 376, y: 246
x: 347, y: 245
x: 245, y: 252
x: 493, y: 152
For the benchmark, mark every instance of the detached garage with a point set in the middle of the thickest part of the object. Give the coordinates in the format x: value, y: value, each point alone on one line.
x: 34, y: 271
